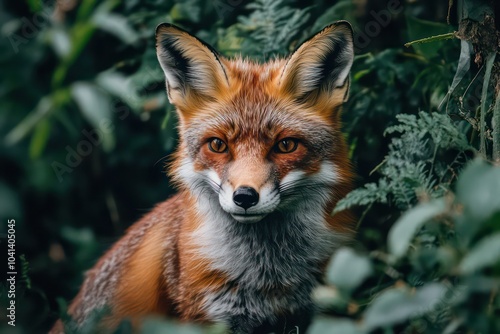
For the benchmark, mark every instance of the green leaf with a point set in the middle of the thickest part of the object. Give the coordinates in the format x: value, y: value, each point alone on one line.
x: 78, y: 236
x: 80, y: 36
x: 328, y: 297
x: 35, y: 5
x: 334, y: 326
x: 462, y: 68
x: 463, y: 63
x: 85, y: 10
x: 400, y: 304
x: 366, y: 195
x: 478, y: 189
x: 43, y: 108
x: 272, y: 28
x: 116, y: 25
x: 166, y: 119
x: 93, y: 103
x: 403, y: 231
x: 120, y: 86
x: 60, y: 41
x: 186, y: 10
x: 358, y: 75
x: 95, y: 107
x: 348, y: 270
x: 484, y: 254
x: 149, y: 71
x: 39, y: 139
x: 342, y: 10
x: 157, y: 326
x: 25, y: 269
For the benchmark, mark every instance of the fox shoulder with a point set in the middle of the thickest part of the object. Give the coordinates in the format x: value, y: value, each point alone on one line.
x: 127, y: 282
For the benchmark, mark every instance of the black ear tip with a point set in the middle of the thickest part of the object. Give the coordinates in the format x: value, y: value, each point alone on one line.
x: 344, y: 23
x: 165, y: 25
x: 341, y: 25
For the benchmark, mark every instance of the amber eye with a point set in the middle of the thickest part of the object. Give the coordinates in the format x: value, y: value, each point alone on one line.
x: 217, y: 145
x: 287, y: 145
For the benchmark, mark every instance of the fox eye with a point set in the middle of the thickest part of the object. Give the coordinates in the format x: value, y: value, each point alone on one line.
x: 287, y: 145
x: 217, y: 145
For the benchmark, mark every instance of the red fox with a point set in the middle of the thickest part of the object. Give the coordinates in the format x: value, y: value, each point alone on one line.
x: 260, y: 165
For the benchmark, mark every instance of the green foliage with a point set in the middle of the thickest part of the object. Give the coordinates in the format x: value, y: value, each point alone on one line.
x: 410, y: 223
x: 25, y: 267
x: 271, y: 29
x: 443, y: 301
x: 415, y: 165
x: 427, y: 252
x: 162, y: 326
x: 348, y: 270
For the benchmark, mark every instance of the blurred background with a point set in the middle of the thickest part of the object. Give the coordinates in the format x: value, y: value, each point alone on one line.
x: 86, y: 128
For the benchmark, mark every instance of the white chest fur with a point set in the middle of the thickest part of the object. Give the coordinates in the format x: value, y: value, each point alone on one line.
x: 273, y: 265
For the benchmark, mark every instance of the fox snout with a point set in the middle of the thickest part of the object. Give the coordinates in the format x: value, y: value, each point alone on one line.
x: 249, y: 203
x: 248, y: 190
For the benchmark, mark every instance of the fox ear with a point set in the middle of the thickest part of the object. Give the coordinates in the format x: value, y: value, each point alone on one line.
x: 191, y: 66
x: 322, y: 63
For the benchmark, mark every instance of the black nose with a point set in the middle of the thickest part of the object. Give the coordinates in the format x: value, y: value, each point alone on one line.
x: 245, y: 197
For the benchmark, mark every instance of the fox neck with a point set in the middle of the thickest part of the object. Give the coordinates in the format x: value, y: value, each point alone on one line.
x: 286, y: 248
x: 271, y: 266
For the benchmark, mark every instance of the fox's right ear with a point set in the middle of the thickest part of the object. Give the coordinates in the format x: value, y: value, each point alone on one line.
x: 193, y: 69
x: 321, y: 64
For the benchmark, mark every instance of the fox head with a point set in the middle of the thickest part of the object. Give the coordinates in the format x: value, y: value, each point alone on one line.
x: 260, y: 139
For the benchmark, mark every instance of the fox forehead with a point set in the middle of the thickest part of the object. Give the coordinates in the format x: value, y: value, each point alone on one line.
x: 248, y: 73
x: 254, y: 86
x: 253, y: 108
x: 249, y: 84
x: 258, y: 122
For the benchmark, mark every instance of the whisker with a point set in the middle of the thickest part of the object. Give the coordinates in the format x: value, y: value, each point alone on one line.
x: 205, y: 180
x: 162, y: 159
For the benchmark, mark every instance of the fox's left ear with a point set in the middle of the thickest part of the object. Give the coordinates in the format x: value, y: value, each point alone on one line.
x: 193, y: 69
x: 322, y: 63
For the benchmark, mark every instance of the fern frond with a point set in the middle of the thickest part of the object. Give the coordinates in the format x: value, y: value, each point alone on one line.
x: 271, y: 28
x: 411, y: 168
x: 368, y: 194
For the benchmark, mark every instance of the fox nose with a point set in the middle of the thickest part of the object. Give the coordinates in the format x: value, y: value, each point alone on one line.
x: 245, y: 197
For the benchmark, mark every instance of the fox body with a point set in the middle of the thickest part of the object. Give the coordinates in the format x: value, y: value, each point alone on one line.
x: 260, y: 165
